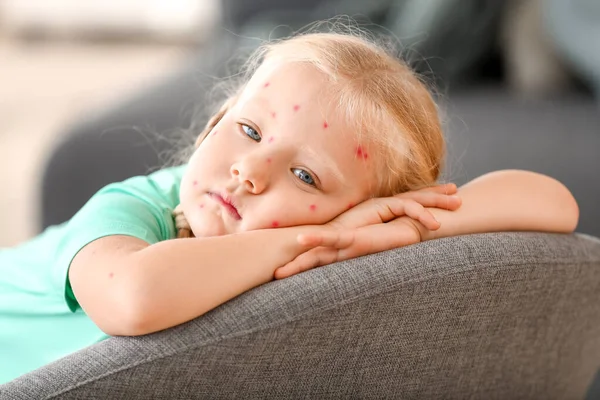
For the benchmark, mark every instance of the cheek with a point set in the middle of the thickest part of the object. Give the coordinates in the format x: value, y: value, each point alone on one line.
x: 210, y: 159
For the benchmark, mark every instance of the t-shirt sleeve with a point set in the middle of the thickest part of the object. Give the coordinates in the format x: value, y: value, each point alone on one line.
x: 140, y: 207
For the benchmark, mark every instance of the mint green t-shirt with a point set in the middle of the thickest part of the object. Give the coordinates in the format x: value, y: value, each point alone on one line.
x: 40, y: 318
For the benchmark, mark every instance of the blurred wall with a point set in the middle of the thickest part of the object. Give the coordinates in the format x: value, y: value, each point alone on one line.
x: 55, y: 69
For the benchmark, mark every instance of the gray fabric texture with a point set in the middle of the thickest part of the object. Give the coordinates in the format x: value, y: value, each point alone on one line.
x: 487, y: 316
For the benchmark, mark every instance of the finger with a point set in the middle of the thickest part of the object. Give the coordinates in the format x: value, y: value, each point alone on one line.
x: 306, y: 261
x: 432, y: 199
x: 328, y: 238
x: 417, y: 212
x: 389, y: 208
x: 382, y: 237
x: 444, y: 188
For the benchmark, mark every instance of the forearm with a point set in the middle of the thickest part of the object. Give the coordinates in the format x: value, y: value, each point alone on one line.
x: 509, y: 200
x: 177, y: 280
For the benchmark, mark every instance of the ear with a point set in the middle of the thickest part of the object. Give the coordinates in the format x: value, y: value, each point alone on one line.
x: 214, y: 120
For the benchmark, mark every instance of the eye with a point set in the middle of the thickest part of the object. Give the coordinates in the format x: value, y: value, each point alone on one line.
x: 304, y: 176
x: 251, y: 133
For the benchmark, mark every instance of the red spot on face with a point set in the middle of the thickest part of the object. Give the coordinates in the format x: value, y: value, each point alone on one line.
x: 350, y: 205
x: 267, y: 84
x: 215, y: 132
x: 273, y: 114
x: 275, y: 224
x: 201, y: 205
x: 361, y: 153
x: 268, y: 160
x: 111, y: 275
x: 271, y: 139
x: 296, y: 107
x: 325, y: 125
x: 313, y: 207
x: 195, y: 183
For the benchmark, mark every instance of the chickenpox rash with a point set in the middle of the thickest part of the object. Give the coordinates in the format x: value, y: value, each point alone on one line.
x: 325, y: 125
x: 215, y: 132
x: 296, y: 107
x: 361, y: 153
x: 201, y: 205
x: 350, y: 205
x: 271, y: 139
x: 275, y: 224
x: 195, y: 183
x: 313, y: 207
x: 111, y: 275
x: 269, y: 160
x: 266, y: 84
x: 273, y: 114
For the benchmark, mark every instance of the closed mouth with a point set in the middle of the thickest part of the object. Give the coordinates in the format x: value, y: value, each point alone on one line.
x: 227, y: 203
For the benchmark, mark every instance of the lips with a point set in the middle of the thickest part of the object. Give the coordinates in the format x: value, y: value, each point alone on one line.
x: 226, y: 202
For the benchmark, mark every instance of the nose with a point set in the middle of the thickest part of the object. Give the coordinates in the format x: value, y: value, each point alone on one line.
x: 251, y: 174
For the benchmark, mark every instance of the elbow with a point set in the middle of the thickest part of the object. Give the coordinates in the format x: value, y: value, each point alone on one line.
x: 566, y: 208
x: 134, y: 321
x: 571, y: 213
x: 123, y: 321
x: 128, y: 316
x: 554, y: 207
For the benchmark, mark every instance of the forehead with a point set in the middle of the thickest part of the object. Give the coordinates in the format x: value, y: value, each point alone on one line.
x: 291, y: 81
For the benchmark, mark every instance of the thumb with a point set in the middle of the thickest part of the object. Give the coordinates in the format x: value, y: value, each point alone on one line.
x: 337, y: 239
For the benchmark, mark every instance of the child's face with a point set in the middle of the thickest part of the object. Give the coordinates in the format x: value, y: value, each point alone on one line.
x: 282, y: 155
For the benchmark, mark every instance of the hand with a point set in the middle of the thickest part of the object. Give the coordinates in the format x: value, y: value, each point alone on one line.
x: 380, y: 210
x: 373, y: 226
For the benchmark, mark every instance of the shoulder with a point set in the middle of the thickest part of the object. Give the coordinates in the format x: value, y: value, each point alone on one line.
x: 160, y: 187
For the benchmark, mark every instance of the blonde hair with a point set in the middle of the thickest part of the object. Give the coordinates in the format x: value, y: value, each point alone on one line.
x: 378, y: 94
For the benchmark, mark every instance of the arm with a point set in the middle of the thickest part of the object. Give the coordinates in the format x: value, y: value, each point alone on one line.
x: 508, y: 200
x: 128, y: 287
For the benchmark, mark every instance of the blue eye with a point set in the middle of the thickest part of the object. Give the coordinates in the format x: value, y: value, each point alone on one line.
x: 304, y: 176
x: 251, y: 132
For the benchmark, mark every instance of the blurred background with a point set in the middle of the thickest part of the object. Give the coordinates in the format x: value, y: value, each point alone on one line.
x: 64, y: 59
x: 93, y: 92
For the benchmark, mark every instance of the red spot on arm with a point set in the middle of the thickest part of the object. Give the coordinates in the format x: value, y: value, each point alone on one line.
x: 268, y: 160
x: 275, y: 224
x: 296, y: 107
x: 201, y: 205
x: 325, y: 125
x: 313, y: 207
x: 111, y: 275
x: 273, y: 114
x: 271, y: 139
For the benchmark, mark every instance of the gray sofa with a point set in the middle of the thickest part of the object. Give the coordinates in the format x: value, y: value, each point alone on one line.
x: 490, y: 316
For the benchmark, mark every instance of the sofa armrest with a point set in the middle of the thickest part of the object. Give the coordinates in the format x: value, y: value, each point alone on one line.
x: 504, y: 315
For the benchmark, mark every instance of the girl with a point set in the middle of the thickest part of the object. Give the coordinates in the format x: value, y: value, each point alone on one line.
x: 330, y: 150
